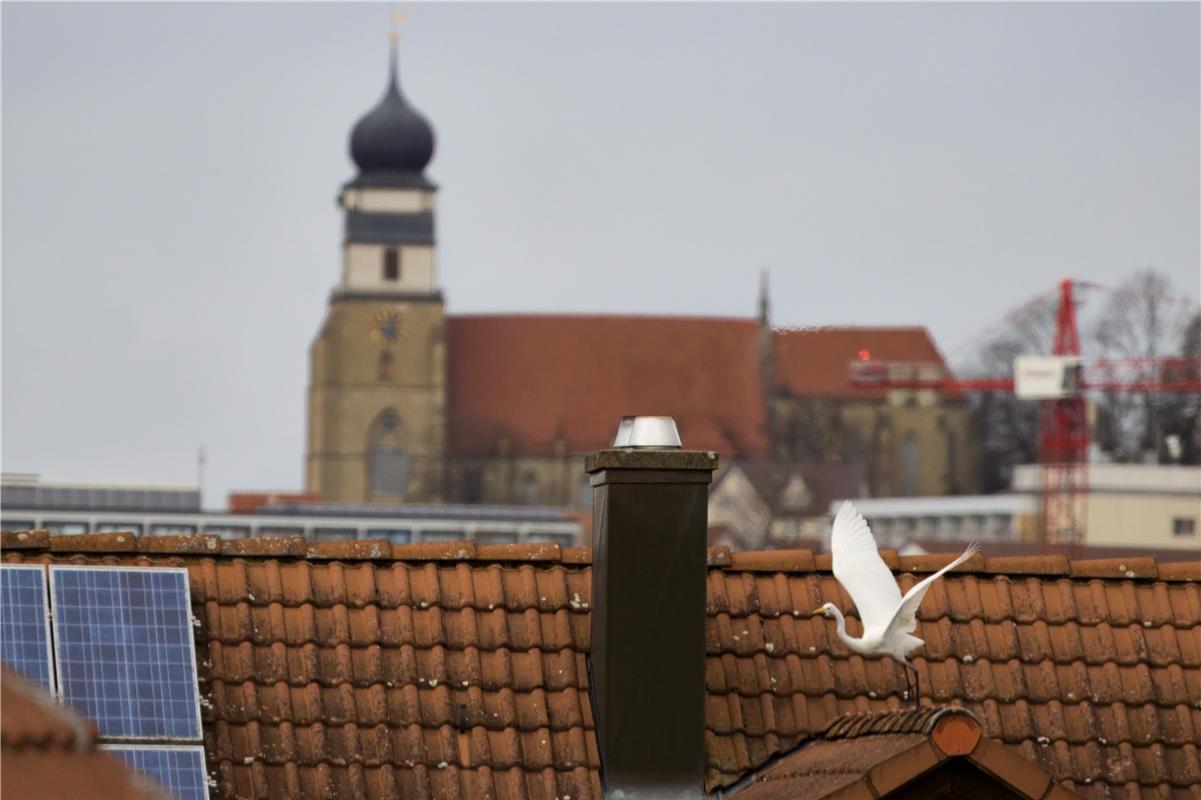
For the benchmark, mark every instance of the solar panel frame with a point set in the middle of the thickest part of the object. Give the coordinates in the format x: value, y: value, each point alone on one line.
x: 129, y: 754
x: 61, y: 664
x: 50, y: 684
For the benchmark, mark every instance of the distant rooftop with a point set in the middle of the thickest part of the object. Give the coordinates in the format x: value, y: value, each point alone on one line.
x: 25, y: 491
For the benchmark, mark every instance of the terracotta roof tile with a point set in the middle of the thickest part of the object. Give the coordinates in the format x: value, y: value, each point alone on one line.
x: 1131, y: 567
x: 348, y: 670
x: 26, y: 540
x: 95, y: 543
x: 1027, y: 565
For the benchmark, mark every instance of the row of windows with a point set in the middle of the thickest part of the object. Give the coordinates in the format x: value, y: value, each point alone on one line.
x: 85, y: 497
x: 995, y: 525
x: 394, y: 535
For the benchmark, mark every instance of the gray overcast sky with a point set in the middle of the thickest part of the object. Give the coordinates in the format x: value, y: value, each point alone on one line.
x: 169, y: 175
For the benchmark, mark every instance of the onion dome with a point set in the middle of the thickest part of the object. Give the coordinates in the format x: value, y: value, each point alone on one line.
x: 392, y: 143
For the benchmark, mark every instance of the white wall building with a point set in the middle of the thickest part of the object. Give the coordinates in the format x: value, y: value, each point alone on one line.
x: 1129, y: 505
x: 1133, y: 505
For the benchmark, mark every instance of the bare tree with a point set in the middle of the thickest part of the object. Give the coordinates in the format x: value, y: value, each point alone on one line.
x: 1010, y: 426
x: 1142, y: 319
x: 1181, y: 411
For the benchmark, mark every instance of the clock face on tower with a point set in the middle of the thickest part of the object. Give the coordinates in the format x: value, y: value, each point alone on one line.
x: 388, y: 327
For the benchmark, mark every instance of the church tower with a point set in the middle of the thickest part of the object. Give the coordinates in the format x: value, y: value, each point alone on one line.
x: 377, y: 388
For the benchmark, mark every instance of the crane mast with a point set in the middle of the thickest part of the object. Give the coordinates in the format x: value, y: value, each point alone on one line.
x: 1063, y: 441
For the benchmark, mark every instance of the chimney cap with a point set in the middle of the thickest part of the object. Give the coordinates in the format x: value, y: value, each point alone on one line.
x: 647, y: 431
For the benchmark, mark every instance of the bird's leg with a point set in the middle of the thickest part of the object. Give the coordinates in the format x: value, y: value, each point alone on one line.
x: 908, y: 688
x: 917, y: 687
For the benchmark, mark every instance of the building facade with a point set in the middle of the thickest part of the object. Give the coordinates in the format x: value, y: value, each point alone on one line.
x: 407, y: 404
x: 1135, y: 505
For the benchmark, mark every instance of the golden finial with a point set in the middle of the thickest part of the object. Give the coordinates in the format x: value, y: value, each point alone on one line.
x: 397, y: 18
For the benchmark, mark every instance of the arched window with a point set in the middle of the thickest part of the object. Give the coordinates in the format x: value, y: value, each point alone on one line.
x: 384, y: 367
x: 387, y: 460
x: 909, y: 455
x: 529, y: 488
x: 952, y: 462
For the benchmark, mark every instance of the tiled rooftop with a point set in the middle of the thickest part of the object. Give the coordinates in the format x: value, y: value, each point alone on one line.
x: 815, y: 361
x: 919, y: 752
x: 634, y: 362
x: 453, y: 670
x: 48, y: 752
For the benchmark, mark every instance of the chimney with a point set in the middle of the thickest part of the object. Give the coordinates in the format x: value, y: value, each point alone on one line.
x: 649, y: 518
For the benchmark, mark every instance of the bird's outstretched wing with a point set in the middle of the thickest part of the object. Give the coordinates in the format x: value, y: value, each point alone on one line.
x: 861, y: 571
x: 905, y: 620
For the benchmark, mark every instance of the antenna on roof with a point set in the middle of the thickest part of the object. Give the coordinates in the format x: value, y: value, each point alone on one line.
x: 200, y: 462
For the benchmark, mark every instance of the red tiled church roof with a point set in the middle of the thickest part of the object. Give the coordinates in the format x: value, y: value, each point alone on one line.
x: 363, y: 669
x: 47, y: 752
x: 816, y: 361
x: 539, y: 378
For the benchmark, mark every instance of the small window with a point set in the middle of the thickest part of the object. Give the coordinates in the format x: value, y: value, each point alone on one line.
x: 335, y: 534
x: 443, y: 536
x: 228, y: 531
x: 384, y: 368
x: 1184, y: 526
x: 279, y: 530
x: 119, y: 527
x: 66, y: 528
x: 168, y: 529
x: 562, y: 539
x: 393, y: 535
x: 495, y: 537
x: 391, y: 264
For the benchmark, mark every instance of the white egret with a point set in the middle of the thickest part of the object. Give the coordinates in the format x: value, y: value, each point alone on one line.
x: 888, y: 619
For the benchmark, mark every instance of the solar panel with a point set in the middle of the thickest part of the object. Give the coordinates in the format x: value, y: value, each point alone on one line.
x: 25, y: 623
x: 124, y: 652
x: 179, y: 769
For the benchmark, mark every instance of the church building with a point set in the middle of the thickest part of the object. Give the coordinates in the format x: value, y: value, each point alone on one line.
x: 407, y: 404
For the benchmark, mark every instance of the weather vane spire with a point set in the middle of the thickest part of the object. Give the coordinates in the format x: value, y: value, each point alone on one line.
x: 393, y: 38
x: 397, y: 18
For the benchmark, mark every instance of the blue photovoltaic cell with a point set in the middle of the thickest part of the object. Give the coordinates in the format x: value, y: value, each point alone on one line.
x: 124, y: 652
x: 179, y: 769
x: 24, y: 626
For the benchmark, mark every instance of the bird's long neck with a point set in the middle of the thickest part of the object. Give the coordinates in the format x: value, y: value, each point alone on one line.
x: 841, y: 624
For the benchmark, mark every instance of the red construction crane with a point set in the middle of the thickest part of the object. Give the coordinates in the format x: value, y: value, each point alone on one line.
x: 1060, y: 382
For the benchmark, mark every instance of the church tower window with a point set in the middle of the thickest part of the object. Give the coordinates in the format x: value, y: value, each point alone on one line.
x: 388, y: 460
x: 391, y: 264
x: 384, y: 367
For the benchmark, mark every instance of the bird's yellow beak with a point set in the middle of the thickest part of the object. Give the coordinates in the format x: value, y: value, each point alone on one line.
x: 818, y: 610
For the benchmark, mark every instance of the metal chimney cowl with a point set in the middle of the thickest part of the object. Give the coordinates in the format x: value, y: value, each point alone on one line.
x: 647, y: 660
x: 647, y: 432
